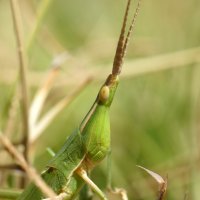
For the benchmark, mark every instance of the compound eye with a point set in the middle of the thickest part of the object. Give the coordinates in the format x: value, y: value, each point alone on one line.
x: 104, y: 93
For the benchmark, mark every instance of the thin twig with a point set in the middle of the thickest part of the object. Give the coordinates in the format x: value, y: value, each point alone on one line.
x: 15, y: 143
x: 30, y: 171
x: 22, y: 70
x: 51, y: 114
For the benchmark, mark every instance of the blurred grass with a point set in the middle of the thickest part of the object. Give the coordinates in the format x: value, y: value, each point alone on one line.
x: 154, y: 118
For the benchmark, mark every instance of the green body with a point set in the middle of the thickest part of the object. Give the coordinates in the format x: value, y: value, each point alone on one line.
x: 85, y: 148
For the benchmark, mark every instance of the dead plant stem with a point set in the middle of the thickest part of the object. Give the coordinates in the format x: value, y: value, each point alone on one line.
x: 22, y: 71
x: 30, y: 171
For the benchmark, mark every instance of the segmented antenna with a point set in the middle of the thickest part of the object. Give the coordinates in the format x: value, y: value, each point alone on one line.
x: 122, y: 43
x: 119, y: 51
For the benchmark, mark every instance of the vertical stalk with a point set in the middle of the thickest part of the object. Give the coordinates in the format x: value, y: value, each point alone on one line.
x: 22, y: 71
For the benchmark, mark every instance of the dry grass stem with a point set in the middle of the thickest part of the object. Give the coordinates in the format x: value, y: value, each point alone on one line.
x: 137, y: 67
x: 51, y: 114
x: 162, y: 62
x: 22, y: 70
x: 133, y: 67
x: 12, y: 113
x: 41, y: 95
x: 30, y: 171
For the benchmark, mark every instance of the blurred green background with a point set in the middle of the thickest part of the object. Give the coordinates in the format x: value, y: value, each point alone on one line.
x: 155, y: 115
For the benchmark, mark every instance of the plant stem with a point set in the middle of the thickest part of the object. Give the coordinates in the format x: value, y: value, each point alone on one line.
x: 30, y: 171
x: 22, y: 71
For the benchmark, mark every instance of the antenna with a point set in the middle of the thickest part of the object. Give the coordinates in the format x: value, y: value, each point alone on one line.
x: 123, y: 42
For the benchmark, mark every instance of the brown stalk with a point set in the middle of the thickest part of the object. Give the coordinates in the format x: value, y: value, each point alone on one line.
x: 22, y: 71
x: 30, y: 171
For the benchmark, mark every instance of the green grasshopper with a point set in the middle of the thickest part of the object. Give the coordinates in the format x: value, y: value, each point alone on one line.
x: 86, y: 147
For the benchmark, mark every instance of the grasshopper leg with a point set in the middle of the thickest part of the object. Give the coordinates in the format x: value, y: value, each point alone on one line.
x: 109, y: 170
x: 83, y: 174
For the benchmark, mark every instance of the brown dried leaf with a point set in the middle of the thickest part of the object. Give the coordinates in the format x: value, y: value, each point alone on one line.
x: 162, y: 182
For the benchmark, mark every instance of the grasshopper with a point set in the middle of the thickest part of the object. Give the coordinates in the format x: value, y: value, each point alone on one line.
x: 67, y: 171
